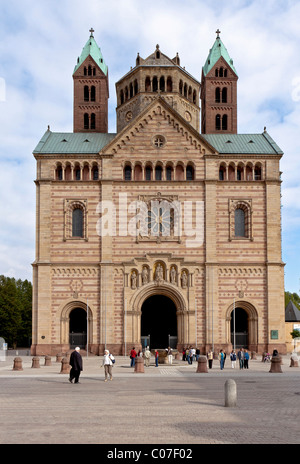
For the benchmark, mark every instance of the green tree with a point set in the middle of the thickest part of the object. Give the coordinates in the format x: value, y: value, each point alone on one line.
x: 15, y: 311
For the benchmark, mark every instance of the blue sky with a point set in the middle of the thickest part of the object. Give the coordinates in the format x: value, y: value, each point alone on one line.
x: 39, y: 46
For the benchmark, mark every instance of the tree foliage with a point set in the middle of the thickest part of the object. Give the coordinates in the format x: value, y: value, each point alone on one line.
x: 294, y: 297
x: 15, y: 311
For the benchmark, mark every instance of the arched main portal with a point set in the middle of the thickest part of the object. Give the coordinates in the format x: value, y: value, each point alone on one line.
x: 159, y: 322
x: 78, y: 328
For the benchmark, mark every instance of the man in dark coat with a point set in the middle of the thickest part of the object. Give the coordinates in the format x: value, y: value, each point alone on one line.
x: 76, y: 365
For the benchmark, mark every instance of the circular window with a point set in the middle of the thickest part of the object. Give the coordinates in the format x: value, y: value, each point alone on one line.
x: 128, y: 116
x: 158, y: 141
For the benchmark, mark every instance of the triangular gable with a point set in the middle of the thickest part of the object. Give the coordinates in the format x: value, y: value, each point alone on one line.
x: 159, y: 106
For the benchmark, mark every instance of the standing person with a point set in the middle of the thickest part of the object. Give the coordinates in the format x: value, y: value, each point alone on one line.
x: 233, y: 359
x: 170, y: 356
x: 221, y: 359
x: 210, y: 357
x: 197, y: 354
x: 147, y: 356
x: 246, y: 360
x: 191, y: 355
x: 241, y: 357
x: 132, y: 357
x: 107, y: 364
x: 76, y: 365
x: 156, y: 358
x: 183, y: 354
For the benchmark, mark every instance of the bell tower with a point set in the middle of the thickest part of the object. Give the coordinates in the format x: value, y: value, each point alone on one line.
x: 91, y: 91
x: 218, y: 92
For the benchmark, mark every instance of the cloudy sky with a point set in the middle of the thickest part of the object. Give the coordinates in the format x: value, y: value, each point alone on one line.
x: 39, y: 45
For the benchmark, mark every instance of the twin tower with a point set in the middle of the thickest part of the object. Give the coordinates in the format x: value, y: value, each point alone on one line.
x: 152, y: 76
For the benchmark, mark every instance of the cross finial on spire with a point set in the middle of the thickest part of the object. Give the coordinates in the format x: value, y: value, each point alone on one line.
x: 92, y: 31
x: 218, y: 32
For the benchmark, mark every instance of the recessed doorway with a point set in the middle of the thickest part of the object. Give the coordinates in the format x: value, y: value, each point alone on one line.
x: 159, y: 322
x: 78, y: 328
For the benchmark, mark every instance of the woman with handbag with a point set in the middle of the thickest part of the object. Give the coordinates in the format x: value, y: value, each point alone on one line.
x: 107, y: 363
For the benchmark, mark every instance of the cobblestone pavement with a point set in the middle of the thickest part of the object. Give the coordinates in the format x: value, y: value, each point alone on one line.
x: 165, y: 405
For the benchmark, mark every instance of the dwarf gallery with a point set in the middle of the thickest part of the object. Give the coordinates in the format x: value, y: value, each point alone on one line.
x: 166, y: 232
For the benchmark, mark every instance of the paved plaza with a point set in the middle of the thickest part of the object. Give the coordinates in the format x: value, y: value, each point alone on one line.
x: 169, y: 404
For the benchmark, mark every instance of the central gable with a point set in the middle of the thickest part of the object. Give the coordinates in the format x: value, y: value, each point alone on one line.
x: 158, y: 128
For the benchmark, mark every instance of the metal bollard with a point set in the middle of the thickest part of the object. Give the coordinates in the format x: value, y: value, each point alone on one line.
x: 230, y: 393
x: 202, y: 364
x: 17, y: 364
x: 139, y: 365
x: 35, y: 362
x: 65, y: 366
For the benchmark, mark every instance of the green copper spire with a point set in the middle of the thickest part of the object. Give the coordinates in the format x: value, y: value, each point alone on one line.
x: 91, y: 49
x: 218, y: 49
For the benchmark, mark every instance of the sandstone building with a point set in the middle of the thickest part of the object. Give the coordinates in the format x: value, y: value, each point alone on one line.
x: 160, y: 233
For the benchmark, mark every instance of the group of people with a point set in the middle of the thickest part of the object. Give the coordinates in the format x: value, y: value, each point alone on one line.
x: 242, y: 356
x: 190, y: 354
x: 147, y: 355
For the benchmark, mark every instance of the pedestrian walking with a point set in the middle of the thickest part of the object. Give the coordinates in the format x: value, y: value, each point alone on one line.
x: 233, y: 359
x: 241, y: 357
x: 246, y: 360
x: 76, y: 365
x: 107, y: 363
x: 221, y: 359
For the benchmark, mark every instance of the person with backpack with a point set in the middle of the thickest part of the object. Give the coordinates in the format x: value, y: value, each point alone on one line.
x: 107, y: 363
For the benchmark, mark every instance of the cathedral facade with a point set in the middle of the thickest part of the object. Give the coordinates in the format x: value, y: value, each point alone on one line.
x: 165, y: 233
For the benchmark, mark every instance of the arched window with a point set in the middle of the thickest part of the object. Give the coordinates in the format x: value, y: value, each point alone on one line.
x: 218, y: 122
x: 93, y: 121
x: 95, y: 173
x: 217, y: 95
x: 155, y: 84
x: 148, y: 173
x: 86, y: 93
x: 59, y: 173
x: 77, y: 222
x: 224, y: 122
x: 162, y: 84
x: 221, y: 72
x: 169, y: 173
x: 239, y: 223
x: 169, y: 84
x: 90, y: 70
x: 189, y: 173
x: 222, y: 173
x: 85, y: 71
x: 224, y: 95
x: 86, y: 121
x: 136, y: 87
x: 158, y: 173
x: 122, y: 97
x: 181, y: 87
x: 130, y: 90
x: 93, y: 93
x: 147, y: 84
x: 127, y: 173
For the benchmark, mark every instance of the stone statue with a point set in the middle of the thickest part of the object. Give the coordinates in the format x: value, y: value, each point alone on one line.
x: 184, y: 279
x: 173, y: 275
x: 159, y: 273
x: 145, y: 276
x: 133, y: 280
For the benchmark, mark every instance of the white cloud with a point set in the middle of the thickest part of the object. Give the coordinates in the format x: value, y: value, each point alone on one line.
x: 39, y: 46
